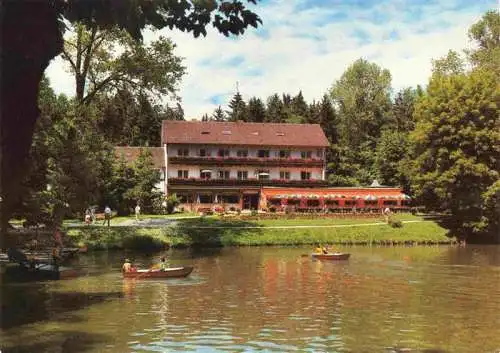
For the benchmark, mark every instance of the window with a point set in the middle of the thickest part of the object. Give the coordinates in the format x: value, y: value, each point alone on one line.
x: 229, y: 198
x: 182, y: 174
x: 205, y: 198
x: 242, y: 153
x: 203, y: 152
x: 224, y: 174
x: 306, y: 154
x: 312, y: 203
x: 205, y: 132
x: 263, y: 153
x: 319, y: 153
x: 185, y: 198
x: 305, y: 175
x: 293, y: 202
x: 263, y: 174
x: 183, y: 152
x: 332, y: 203
x: 390, y: 203
x: 226, y: 132
x: 349, y: 203
x: 284, y: 175
x: 242, y: 175
x: 371, y: 203
x: 223, y: 152
x: 284, y: 154
x: 274, y: 202
x: 205, y: 174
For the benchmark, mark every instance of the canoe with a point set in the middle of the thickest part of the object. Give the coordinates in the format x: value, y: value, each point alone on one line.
x: 332, y: 256
x: 172, y: 272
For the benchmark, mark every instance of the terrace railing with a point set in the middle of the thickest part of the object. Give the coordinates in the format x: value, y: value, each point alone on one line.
x: 246, y: 182
x: 280, y: 162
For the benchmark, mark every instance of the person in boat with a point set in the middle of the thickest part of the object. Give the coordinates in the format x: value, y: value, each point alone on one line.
x: 127, y: 266
x: 56, y: 254
x: 163, y: 264
x: 58, y: 237
x: 320, y: 249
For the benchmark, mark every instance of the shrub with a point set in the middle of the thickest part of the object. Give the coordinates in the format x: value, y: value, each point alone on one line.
x: 395, y: 223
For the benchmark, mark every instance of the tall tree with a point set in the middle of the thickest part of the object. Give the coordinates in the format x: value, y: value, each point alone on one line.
x: 392, y: 150
x: 238, y: 108
x: 486, y: 34
x: 362, y: 95
x: 456, y: 148
x: 299, y: 107
x: 275, y: 111
x: 451, y: 64
x: 256, y: 110
x: 402, y: 110
x: 219, y: 114
x: 40, y: 23
x: 89, y: 52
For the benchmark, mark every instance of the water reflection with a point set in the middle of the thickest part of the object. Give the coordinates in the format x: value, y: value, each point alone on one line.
x: 270, y: 299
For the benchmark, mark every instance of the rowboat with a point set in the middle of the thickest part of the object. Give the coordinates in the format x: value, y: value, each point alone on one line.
x: 172, y: 272
x: 40, y: 272
x: 331, y: 256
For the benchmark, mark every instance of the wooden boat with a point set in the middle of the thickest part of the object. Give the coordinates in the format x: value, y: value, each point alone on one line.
x: 331, y: 256
x: 172, y: 272
x: 40, y: 272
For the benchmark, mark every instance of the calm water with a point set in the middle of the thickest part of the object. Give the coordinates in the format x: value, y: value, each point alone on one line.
x: 428, y: 299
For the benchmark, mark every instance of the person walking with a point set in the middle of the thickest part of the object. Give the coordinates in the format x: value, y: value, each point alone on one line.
x: 107, y: 215
x: 137, y: 211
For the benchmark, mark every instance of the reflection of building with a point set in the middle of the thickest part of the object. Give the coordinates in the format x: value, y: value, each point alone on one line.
x: 250, y: 166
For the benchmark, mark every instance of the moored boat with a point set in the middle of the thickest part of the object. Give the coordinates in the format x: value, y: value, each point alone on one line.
x: 40, y: 272
x: 331, y: 256
x: 172, y: 272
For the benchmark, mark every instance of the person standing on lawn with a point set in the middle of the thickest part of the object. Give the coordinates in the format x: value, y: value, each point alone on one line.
x: 107, y: 215
x: 137, y: 211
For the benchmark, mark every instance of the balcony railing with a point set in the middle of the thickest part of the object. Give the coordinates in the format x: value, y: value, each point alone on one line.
x: 245, y: 182
x: 285, y: 162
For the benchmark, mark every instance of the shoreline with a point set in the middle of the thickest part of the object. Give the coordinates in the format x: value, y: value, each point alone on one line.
x: 221, y: 232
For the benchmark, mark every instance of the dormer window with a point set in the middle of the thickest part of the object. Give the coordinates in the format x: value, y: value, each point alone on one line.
x: 205, y: 132
x: 280, y: 134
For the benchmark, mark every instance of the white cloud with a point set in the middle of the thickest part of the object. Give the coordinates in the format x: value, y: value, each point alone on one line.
x: 304, y: 50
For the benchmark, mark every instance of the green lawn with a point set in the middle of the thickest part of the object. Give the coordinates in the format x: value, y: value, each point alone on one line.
x: 214, y: 231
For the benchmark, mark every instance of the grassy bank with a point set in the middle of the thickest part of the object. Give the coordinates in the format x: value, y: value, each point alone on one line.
x: 213, y: 231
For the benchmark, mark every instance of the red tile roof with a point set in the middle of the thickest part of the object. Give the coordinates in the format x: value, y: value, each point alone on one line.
x: 239, y: 133
x: 131, y: 153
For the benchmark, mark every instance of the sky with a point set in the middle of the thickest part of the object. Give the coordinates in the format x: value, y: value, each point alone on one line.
x: 306, y: 45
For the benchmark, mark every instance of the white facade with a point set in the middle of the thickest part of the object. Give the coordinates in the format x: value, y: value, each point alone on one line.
x: 252, y: 160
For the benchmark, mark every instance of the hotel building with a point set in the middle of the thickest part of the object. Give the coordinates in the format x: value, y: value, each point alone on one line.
x: 251, y: 166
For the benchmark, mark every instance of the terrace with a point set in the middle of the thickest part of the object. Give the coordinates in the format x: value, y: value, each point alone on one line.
x: 280, y: 162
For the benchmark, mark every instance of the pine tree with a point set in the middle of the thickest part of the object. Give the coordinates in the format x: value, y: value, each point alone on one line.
x: 219, y: 114
x: 238, y: 108
x: 299, y: 106
x: 256, y: 110
x: 275, y: 112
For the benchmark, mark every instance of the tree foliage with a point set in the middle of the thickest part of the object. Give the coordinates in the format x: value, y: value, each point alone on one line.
x: 457, y: 147
x: 486, y: 35
x: 151, y: 69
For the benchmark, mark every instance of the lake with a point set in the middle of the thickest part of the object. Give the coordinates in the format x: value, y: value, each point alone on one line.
x: 266, y: 299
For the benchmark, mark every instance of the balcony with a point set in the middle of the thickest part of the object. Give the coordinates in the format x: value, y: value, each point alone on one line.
x: 246, y: 182
x: 226, y: 161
